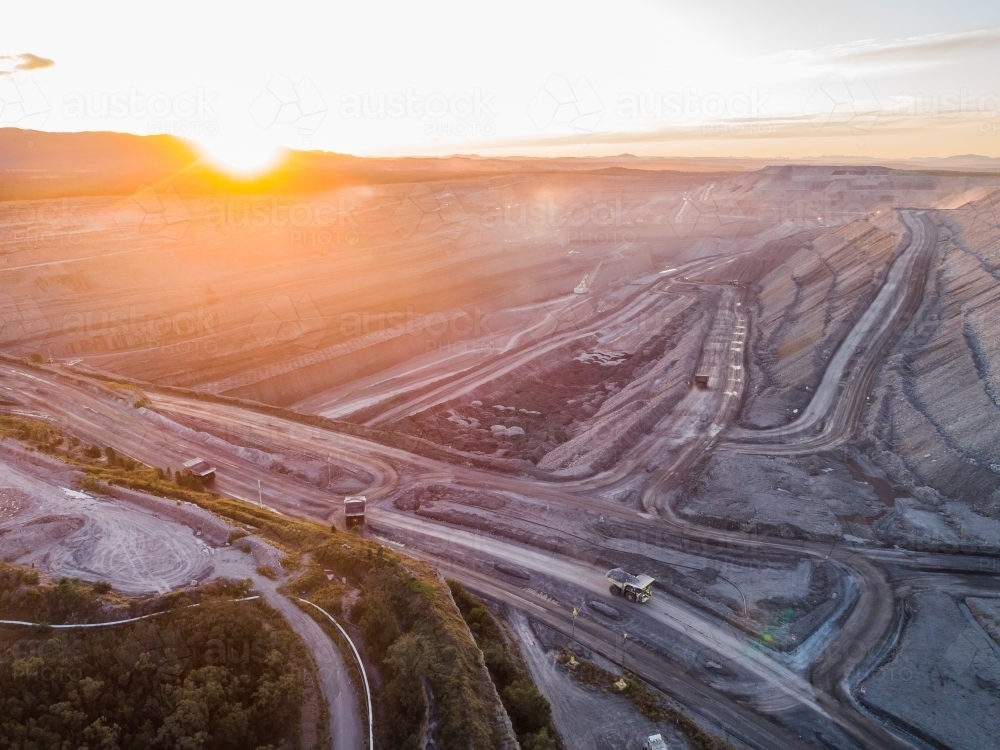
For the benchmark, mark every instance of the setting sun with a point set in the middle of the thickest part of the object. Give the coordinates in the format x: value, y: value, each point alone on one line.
x: 241, y: 157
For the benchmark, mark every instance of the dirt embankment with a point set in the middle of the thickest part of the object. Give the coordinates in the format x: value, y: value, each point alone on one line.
x: 805, y: 306
x: 935, y: 416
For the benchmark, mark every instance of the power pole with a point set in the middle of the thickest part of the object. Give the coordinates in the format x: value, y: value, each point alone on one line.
x: 573, y: 637
x: 260, y: 495
x: 624, y: 639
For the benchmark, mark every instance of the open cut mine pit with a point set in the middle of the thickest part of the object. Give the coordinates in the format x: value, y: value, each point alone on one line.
x: 770, y: 388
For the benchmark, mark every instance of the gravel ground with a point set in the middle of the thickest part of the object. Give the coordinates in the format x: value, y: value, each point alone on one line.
x: 814, y: 497
x: 586, y: 719
x: 62, y: 531
x: 944, y: 680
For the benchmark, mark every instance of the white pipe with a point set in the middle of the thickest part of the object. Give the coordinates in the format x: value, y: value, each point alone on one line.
x: 108, y: 624
x: 364, y: 675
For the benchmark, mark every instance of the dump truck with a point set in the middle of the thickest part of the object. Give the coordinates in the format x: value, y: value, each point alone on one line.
x: 201, y: 469
x: 701, y: 380
x: 655, y: 742
x: 354, y: 510
x: 635, y: 588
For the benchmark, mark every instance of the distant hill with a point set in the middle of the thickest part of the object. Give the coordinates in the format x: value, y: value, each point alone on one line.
x: 35, y: 164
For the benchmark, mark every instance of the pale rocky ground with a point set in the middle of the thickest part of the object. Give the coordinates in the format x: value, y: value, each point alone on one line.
x: 805, y: 306
x: 934, y: 417
x: 137, y: 543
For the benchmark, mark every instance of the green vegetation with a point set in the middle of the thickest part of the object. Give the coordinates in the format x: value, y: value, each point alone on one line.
x: 221, y: 675
x: 529, y: 711
x: 103, y: 466
x: 417, y: 641
x: 650, y: 704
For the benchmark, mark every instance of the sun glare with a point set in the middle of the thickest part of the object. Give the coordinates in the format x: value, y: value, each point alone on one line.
x: 242, y: 158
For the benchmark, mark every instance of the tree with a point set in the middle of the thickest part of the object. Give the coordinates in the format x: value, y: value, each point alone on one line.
x: 528, y: 709
x: 540, y: 741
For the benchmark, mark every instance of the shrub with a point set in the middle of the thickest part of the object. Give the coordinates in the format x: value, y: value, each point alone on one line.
x: 189, y: 481
x: 540, y: 741
x: 528, y: 709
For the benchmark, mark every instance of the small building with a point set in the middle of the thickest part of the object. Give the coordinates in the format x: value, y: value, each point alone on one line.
x: 701, y: 380
x: 354, y: 510
x: 201, y: 469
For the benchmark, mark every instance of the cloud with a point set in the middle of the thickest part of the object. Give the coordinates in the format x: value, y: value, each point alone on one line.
x: 26, y: 61
x: 794, y: 127
x: 879, y: 53
x: 33, y: 62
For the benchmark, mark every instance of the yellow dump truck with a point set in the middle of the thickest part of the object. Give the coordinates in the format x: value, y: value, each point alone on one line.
x: 635, y: 588
x: 354, y: 510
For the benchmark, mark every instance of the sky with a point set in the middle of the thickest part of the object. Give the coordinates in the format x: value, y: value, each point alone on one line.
x: 772, y: 78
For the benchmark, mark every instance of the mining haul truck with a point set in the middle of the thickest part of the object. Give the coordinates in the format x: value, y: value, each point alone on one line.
x: 701, y: 380
x: 632, y: 587
x: 655, y: 742
x: 201, y: 469
x: 354, y: 510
